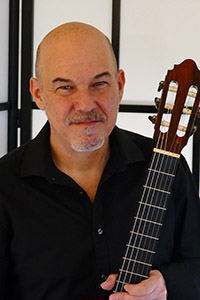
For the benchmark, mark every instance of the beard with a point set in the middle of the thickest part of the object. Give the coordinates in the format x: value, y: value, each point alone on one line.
x: 90, y: 140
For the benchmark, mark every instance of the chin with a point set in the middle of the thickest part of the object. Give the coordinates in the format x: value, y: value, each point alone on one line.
x: 88, y: 146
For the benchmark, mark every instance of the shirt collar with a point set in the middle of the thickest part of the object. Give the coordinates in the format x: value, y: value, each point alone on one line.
x: 125, y: 149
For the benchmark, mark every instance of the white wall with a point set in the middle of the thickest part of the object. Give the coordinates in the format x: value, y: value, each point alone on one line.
x: 4, y: 22
x: 155, y: 35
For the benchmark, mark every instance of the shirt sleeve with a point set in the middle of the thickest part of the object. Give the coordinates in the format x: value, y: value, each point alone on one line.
x: 182, y: 274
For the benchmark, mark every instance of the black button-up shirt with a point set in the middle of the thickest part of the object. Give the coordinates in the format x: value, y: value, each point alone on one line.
x: 56, y: 245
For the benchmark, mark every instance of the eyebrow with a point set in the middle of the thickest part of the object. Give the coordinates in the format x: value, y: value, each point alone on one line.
x: 102, y: 74
x: 60, y: 79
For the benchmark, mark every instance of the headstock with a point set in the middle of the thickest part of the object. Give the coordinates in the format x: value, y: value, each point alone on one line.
x: 178, y: 107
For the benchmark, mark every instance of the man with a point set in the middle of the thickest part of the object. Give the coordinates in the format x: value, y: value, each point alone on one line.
x: 68, y: 198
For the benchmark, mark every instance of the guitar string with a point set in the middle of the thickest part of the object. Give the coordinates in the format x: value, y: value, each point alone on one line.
x: 161, y: 199
x: 147, y: 197
x: 148, y: 243
x: 147, y: 218
x: 156, y: 200
x: 140, y: 224
x: 158, y: 217
x: 137, y: 251
x: 130, y: 239
x: 147, y: 211
x: 164, y: 187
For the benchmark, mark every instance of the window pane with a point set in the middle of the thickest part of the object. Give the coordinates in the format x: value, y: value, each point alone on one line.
x: 39, y: 119
x: 3, y: 132
x: 155, y: 35
x: 4, y: 25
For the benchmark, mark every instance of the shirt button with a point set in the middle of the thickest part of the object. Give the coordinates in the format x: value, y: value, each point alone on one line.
x: 104, y: 276
x: 81, y: 192
x: 100, y: 231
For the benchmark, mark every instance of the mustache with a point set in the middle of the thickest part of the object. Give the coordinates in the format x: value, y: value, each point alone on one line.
x: 84, y: 117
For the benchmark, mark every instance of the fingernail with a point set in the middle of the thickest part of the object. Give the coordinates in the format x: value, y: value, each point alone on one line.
x: 113, y: 298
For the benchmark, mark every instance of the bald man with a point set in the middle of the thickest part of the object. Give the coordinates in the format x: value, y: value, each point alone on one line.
x: 74, y: 189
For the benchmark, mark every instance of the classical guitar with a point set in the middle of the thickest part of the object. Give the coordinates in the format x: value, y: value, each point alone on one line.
x: 174, y: 123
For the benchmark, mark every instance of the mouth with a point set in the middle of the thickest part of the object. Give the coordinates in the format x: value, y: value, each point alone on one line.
x: 86, y: 123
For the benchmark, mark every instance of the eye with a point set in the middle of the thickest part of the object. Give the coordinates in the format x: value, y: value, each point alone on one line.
x: 65, y: 87
x: 100, y: 83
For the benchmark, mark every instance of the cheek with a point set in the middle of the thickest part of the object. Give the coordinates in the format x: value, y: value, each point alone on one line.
x: 111, y: 106
x: 57, y: 109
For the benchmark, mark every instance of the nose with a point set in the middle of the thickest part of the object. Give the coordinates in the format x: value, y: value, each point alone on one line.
x: 84, y: 101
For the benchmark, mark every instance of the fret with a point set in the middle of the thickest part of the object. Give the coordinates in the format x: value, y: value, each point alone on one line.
x: 137, y: 261
x: 120, y: 281
x: 160, y: 164
x: 161, y: 172
x: 158, y: 190
x: 153, y: 206
x: 133, y: 273
x: 144, y: 235
x: 139, y: 248
x: 148, y: 221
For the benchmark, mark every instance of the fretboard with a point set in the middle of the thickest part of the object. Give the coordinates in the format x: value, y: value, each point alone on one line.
x: 144, y: 235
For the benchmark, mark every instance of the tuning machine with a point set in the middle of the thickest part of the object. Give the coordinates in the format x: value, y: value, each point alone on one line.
x: 161, y: 85
x: 157, y: 102
x: 152, y: 119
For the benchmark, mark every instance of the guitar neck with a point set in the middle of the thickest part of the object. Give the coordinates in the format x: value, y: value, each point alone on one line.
x: 144, y: 235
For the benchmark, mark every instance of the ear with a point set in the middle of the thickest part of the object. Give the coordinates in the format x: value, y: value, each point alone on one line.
x: 36, y: 92
x: 121, y: 83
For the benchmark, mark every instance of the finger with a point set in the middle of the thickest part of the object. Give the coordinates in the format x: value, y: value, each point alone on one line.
x: 153, y: 288
x: 109, y: 283
x: 122, y: 296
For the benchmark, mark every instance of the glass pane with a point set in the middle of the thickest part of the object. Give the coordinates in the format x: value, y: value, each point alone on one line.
x: 39, y: 119
x: 4, y: 25
x: 3, y: 132
x: 155, y: 35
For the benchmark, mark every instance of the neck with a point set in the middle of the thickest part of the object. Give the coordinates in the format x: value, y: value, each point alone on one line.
x: 85, y: 168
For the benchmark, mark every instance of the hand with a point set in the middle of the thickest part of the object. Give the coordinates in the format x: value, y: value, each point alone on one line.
x: 153, y: 288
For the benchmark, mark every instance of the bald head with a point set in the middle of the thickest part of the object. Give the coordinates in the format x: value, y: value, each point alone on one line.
x: 76, y: 35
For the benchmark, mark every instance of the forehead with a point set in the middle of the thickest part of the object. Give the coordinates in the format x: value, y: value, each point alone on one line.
x: 76, y: 53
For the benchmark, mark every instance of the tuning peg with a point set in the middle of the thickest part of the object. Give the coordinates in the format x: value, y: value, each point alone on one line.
x: 198, y: 112
x: 194, y: 129
x: 152, y: 119
x: 161, y: 85
x: 157, y: 102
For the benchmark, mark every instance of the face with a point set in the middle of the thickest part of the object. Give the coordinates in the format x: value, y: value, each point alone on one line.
x: 80, y: 93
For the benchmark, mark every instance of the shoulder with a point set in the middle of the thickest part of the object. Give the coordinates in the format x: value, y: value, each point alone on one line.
x: 130, y: 140
x: 14, y: 159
